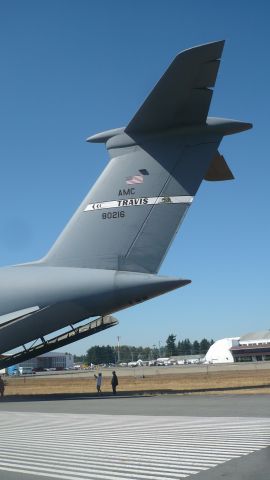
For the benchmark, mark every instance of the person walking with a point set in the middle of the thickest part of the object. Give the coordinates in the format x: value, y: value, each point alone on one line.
x: 99, y: 381
x: 114, y: 382
x: 2, y: 387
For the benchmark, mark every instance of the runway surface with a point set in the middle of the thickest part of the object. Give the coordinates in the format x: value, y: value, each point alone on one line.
x: 37, y: 441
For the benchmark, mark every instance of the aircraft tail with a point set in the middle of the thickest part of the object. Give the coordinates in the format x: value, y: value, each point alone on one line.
x: 157, y: 163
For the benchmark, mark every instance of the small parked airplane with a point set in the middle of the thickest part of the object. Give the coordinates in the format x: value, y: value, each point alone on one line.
x: 108, y: 256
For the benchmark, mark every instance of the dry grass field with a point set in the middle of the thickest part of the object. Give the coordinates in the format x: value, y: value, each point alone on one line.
x: 212, y: 382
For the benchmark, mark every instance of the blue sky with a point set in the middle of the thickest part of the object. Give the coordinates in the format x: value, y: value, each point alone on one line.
x: 70, y: 69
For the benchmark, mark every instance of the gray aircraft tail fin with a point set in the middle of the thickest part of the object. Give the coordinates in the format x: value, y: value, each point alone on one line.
x: 183, y: 94
x: 157, y: 163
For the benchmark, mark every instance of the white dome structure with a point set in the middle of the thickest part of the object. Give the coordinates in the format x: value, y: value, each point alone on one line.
x: 220, y: 352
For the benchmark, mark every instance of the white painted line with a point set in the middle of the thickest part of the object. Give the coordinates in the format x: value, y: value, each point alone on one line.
x: 137, y: 448
x: 113, y: 465
x: 91, y: 446
x: 110, y: 457
x: 40, y: 474
x: 94, y: 473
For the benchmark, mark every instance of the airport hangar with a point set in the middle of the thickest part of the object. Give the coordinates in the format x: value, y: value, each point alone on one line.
x: 252, y: 347
x: 49, y: 360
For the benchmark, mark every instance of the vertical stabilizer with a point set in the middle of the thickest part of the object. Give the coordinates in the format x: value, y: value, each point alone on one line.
x: 157, y: 163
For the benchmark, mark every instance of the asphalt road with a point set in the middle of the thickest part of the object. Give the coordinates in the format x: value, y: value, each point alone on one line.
x: 137, y: 438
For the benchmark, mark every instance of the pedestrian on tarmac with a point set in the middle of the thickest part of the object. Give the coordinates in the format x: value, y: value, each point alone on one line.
x: 2, y: 387
x: 98, y: 381
x: 114, y: 382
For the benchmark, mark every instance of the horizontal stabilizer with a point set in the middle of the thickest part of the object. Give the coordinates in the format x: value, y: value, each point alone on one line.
x: 218, y: 170
x: 183, y: 94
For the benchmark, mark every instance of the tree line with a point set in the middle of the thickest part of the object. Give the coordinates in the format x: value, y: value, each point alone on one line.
x: 186, y: 347
x: 127, y: 353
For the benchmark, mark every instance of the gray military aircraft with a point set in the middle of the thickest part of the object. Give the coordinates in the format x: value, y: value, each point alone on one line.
x: 108, y: 256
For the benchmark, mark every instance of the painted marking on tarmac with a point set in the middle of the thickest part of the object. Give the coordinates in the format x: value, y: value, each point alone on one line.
x: 122, y: 447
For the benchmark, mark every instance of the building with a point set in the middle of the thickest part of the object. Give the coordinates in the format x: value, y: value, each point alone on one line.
x: 183, y: 359
x: 50, y: 360
x: 220, y: 351
x: 252, y: 347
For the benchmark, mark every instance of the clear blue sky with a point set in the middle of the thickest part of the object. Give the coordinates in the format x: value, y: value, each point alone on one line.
x: 70, y: 69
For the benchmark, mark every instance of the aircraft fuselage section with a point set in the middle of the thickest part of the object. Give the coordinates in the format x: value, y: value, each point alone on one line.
x: 36, y: 300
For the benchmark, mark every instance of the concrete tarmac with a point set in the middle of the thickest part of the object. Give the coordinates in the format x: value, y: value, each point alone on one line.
x: 166, y: 437
x: 183, y: 405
